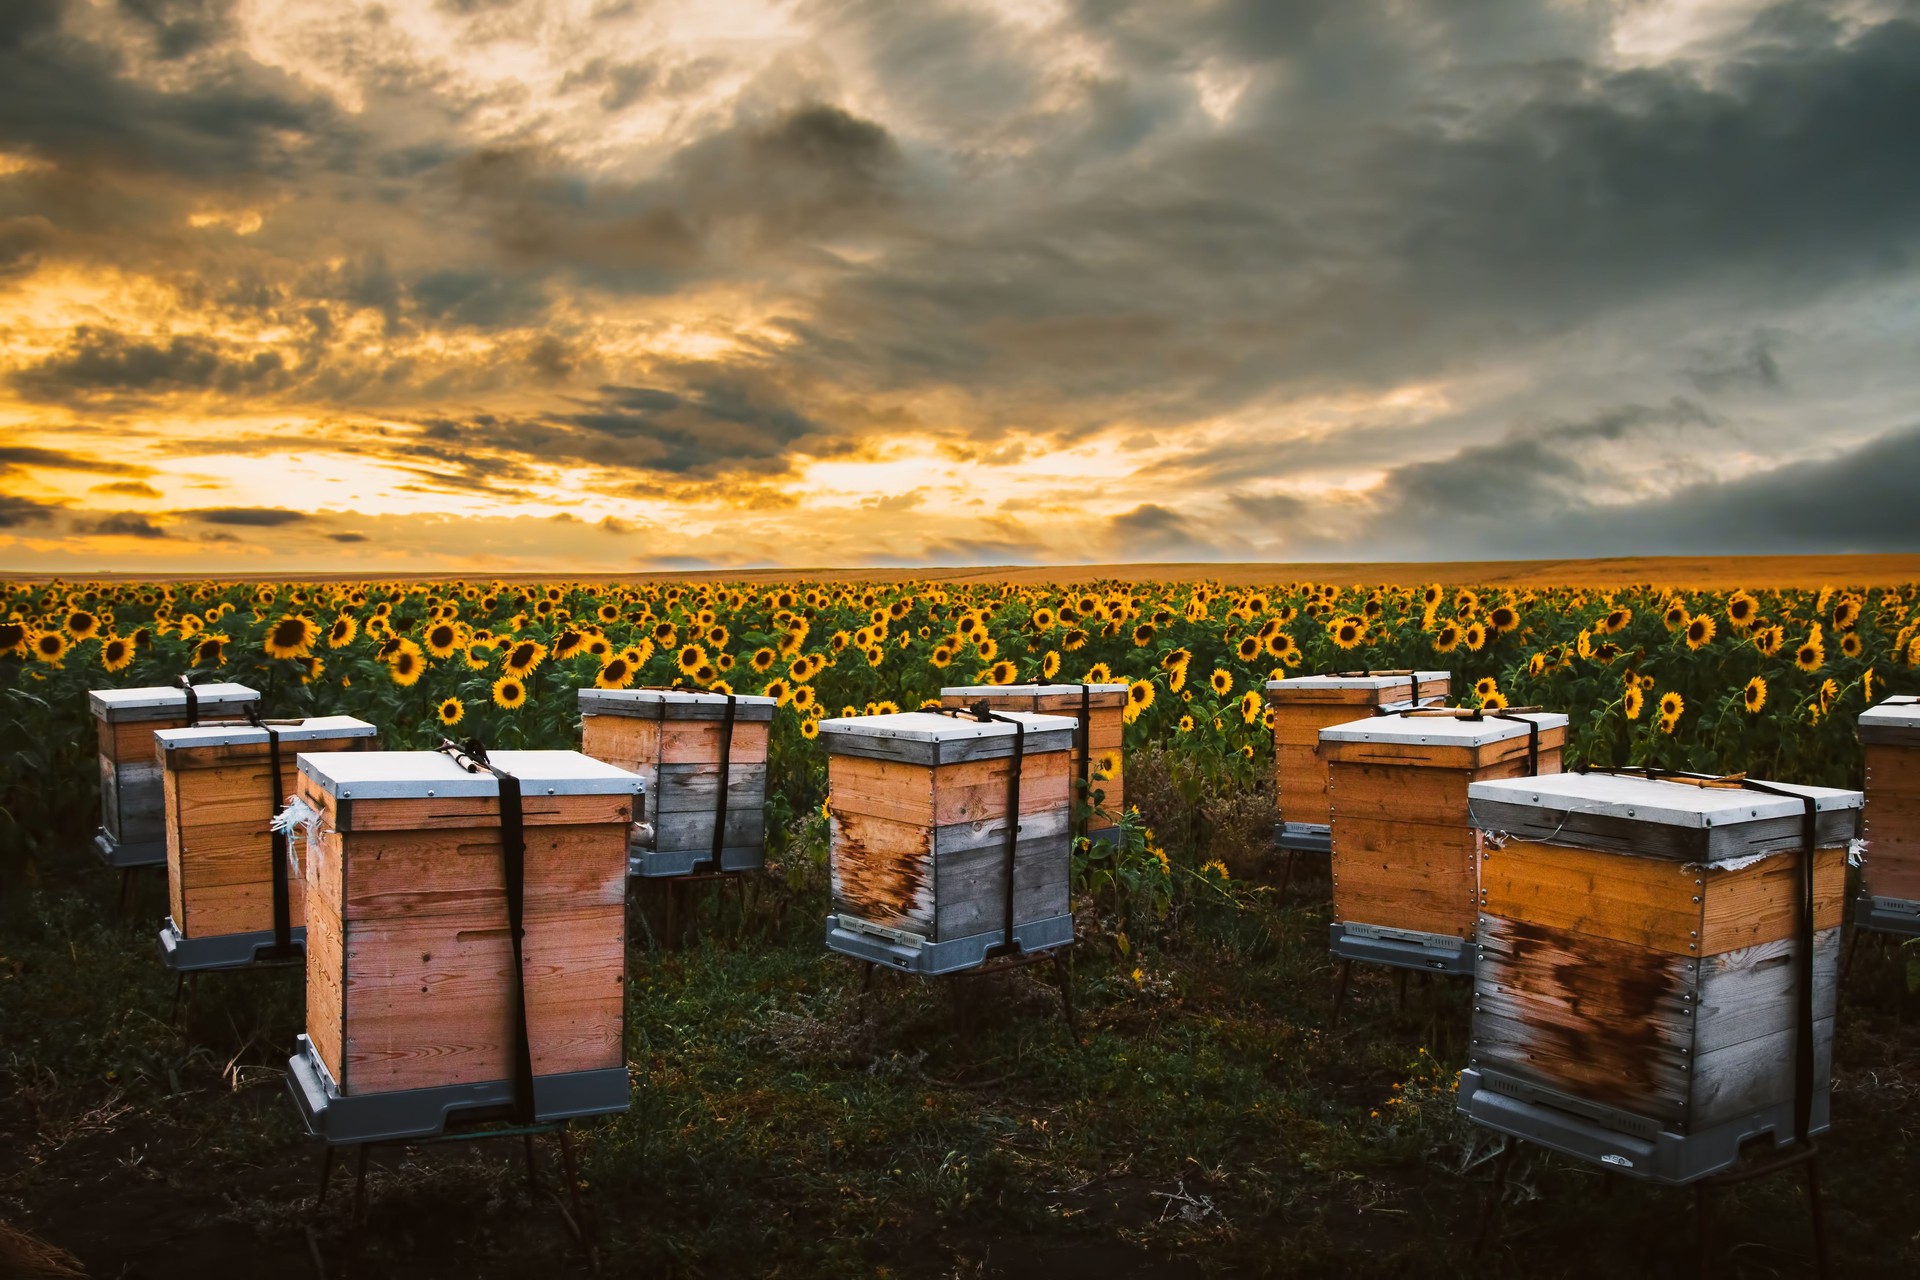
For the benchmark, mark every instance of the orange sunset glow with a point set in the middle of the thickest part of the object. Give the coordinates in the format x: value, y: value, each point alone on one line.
x: 486, y: 285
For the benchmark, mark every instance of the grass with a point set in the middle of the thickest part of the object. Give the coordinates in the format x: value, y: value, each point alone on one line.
x: 1206, y: 1123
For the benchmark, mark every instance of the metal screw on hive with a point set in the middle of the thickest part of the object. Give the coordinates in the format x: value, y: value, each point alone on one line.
x: 951, y: 838
x: 702, y: 759
x: 1658, y: 974
x: 1304, y: 705
x: 1888, y: 904
x: 132, y: 835
x: 1405, y: 857
x: 466, y: 948
x: 236, y: 894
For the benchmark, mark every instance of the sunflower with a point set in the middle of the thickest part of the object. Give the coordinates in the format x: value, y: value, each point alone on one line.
x: 1846, y: 612
x: 567, y: 643
x: 941, y: 656
x: 1616, y: 621
x: 50, y: 646
x: 211, y: 650
x: 1485, y: 685
x: 1700, y: 631
x: 1186, y: 724
x: 1671, y: 705
x: 523, y: 657
x: 291, y: 637
x: 406, y: 667
x: 876, y: 655
x: 809, y: 729
x: 1503, y: 619
x: 1634, y: 701
x: 1474, y: 637
x: 1073, y: 640
x: 1811, y: 655
x: 451, y: 711
x: 1447, y: 638
x: 314, y: 668
x: 1676, y: 616
x: 1002, y: 672
x: 14, y: 637
x: 1742, y: 610
x: 1143, y: 635
x: 1098, y: 674
x: 1140, y: 695
x: 986, y: 647
x: 1050, y: 664
x: 1280, y: 645
x: 1248, y: 648
x: 1250, y: 707
x: 1222, y: 681
x: 116, y: 652
x: 1347, y: 633
x: 1850, y: 644
x: 804, y: 697
x: 441, y: 639
x: 1769, y: 640
x: 764, y: 658
x: 509, y: 693
x: 1754, y: 697
x: 690, y: 659
x: 1495, y: 701
x: 341, y: 634
x: 82, y: 624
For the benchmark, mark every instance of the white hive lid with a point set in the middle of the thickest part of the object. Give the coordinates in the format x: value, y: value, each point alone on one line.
x: 1449, y: 731
x: 675, y: 704
x: 927, y: 738
x: 312, y: 729
x: 1656, y: 800
x: 130, y: 704
x: 401, y: 775
x: 1027, y: 690
x: 1895, y: 722
x: 1355, y: 681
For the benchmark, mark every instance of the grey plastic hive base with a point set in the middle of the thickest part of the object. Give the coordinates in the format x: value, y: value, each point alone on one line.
x: 426, y: 1113
x: 224, y: 950
x: 1401, y: 953
x: 1669, y: 1159
x: 1110, y: 834
x: 128, y: 857
x: 955, y: 956
x: 1887, y: 915
x: 1303, y: 837
x: 646, y: 864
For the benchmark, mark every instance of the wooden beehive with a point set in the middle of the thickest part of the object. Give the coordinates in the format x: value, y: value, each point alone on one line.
x: 1101, y: 733
x: 220, y: 796
x: 1639, y: 949
x: 132, y: 804
x: 408, y: 950
x: 1303, y: 706
x: 1890, y: 735
x: 1405, y: 856
x: 673, y: 739
x: 918, y: 816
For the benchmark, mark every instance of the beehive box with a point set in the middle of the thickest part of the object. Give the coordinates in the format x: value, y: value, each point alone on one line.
x: 1405, y: 857
x: 1100, y: 734
x: 132, y: 805
x: 919, y: 822
x: 409, y: 969
x: 1637, y: 1000
x: 1890, y: 876
x: 673, y: 740
x: 1303, y: 706
x: 220, y: 795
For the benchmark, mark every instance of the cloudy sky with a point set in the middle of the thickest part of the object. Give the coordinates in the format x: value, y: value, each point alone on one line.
x: 639, y: 284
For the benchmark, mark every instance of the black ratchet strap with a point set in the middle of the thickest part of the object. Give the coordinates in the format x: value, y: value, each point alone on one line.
x: 193, y: 701
x: 720, y: 796
x: 282, y: 901
x: 1008, y: 945
x: 1083, y: 810
x: 513, y: 845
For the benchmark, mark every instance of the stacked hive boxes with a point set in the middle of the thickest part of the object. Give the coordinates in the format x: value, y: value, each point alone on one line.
x: 132, y: 807
x: 410, y: 981
x: 1405, y: 873
x: 676, y: 741
x: 1890, y: 878
x: 1303, y: 706
x: 1639, y: 995
x: 220, y: 793
x: 1099, y: 712
x: 920, y: 827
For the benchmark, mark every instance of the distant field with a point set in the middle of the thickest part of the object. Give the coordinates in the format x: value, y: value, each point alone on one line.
x: 1706, y: 573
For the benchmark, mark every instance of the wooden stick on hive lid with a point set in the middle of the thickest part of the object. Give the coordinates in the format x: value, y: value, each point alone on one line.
x: 132, y: 806
x: 923, y: 835
x: 1658, y: 964
x: 1303, y: 706
x: 410, y: 903
x: 703, y: 759
x: 1099, y: 712
x: 221, y: 794
x: 1405, y: 867
x: 1890, y: 876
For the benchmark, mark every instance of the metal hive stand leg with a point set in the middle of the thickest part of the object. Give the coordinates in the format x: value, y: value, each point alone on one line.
x: 1491, y: 1210
x: 1063, y: 969
x: 1340, y: 993
x: 1286, y: 874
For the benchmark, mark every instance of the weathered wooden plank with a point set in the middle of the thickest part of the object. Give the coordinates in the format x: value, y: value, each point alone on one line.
x: 1592, y: 1016
x: 176, y: 903
x: 326, y: 978
x: 460, y: 874
x: 1754, y: 991
x: 1615, y: 834
x: 1405, y: 875
x: 695, y: 788
x: 1650, y: 903
x: 1755, y: 1073
x: 1757, y: 903
x: 888, y: 789
x: 970, y: 886
x: 1436, y: 796
x: 954, y: 751
x: 746, y: 828
x: 1512, y: 751
x: 882, y: 870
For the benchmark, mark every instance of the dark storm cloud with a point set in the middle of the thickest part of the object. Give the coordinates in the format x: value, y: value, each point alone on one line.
x: 347, y: 536
x: 97, y: 362
x: 19, y: 455
x: 127, y: 489
x: 16, y: 512
x: 120, y: 524
x: 248, y: 517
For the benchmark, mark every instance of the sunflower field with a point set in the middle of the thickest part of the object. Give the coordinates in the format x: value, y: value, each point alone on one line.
x: 1764, y: 682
